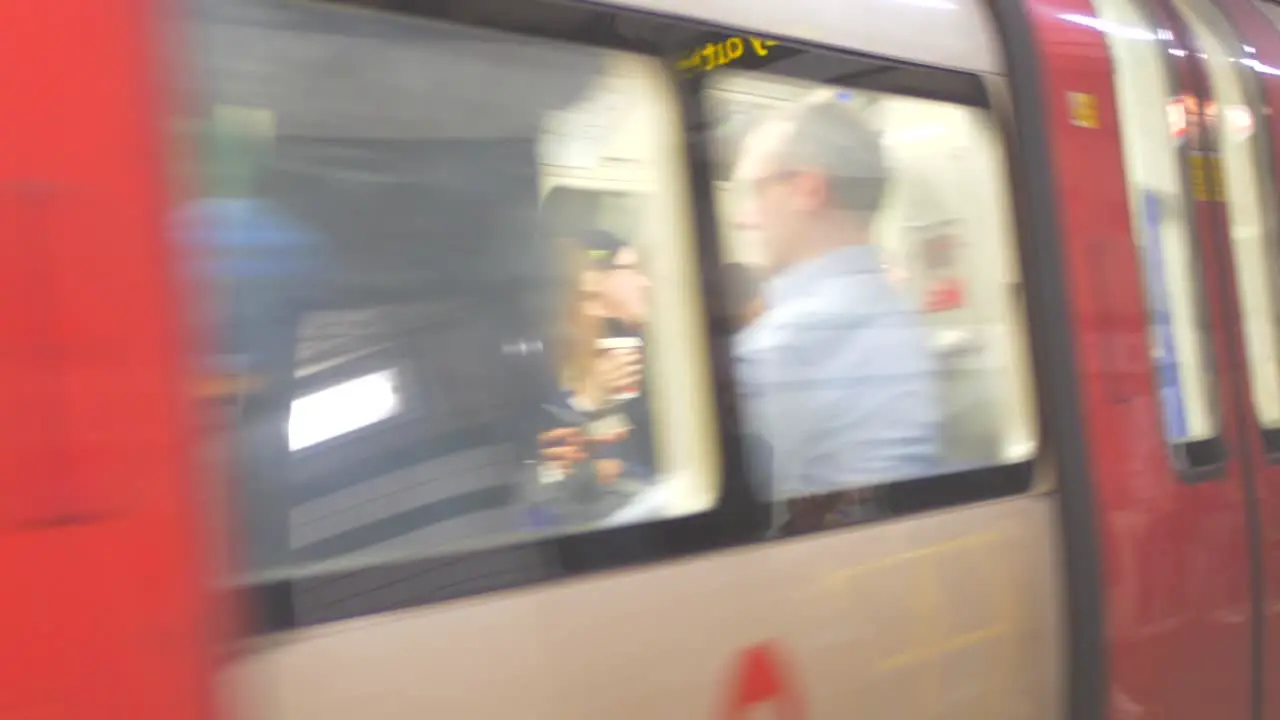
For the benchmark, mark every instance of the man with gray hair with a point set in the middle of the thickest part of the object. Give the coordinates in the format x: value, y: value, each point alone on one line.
x: 837, y: 374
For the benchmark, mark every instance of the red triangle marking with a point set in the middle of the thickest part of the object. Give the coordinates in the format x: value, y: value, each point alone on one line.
x: 759, y: 678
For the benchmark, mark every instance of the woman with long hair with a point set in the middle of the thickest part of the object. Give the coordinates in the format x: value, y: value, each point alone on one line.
x: 596, y: 426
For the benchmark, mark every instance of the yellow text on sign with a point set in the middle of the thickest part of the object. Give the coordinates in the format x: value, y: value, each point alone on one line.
x: 1082, y: 109
x: 719, y: 54
x: 1206, y: 178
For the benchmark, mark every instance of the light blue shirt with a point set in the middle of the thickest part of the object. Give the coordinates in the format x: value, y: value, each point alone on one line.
x: 838, y: 377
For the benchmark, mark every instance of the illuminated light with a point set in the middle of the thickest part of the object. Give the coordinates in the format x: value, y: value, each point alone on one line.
x: 1239, y: 121
x: 1258, y: 66
x: 342, y: 408
x: 935, y: 4
x: 1177, y: 52
x: 1111, y: 28
x: 1176, y: 110
x: 1249, y: 49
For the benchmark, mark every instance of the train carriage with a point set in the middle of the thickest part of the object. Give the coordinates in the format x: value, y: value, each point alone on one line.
x: 292, y: 292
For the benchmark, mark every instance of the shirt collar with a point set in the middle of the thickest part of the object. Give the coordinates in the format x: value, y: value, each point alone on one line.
x: 798, y: 279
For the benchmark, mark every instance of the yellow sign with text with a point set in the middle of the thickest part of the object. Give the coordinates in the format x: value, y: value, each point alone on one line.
x: 1082, y: 109
x: 725, y: 52
x: 1206, y: 178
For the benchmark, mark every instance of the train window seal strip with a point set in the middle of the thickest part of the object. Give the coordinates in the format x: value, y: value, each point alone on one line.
x: 273, y: 601
x: 1199, y: 461
x: 1062, y: 415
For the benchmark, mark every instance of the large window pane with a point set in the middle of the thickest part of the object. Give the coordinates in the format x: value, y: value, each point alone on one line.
x: 452, y: 284
x: 881, y: 334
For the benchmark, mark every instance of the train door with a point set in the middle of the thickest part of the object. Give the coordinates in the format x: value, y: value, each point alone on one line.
x: 104, y: 605
x: 1174, y: 493
x: 1245, y: 85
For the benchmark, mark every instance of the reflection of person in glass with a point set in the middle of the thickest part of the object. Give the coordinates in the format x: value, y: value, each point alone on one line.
x: 600, y: 411
x: 837, y: 374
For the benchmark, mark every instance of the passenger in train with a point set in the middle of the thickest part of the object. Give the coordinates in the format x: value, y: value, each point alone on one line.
x: 836, y: 374
x: 254, y: 258
x: 599, y: 410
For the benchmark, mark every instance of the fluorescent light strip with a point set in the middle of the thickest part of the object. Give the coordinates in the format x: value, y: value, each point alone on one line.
x: 342, y: 408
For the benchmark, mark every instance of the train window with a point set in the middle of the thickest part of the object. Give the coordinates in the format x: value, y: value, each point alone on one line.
x: 1162, y: 223
x: 452, y: 285
x: 885, y: 340
x: 1250, y: 195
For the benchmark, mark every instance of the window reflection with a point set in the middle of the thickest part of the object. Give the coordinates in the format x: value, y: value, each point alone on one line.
x: 875, y: 235
x: 1249, y: 193
x: 449, y: 280
x: 1160, y: 215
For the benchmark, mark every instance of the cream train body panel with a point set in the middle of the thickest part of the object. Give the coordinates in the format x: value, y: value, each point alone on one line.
x: 953, y: 615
